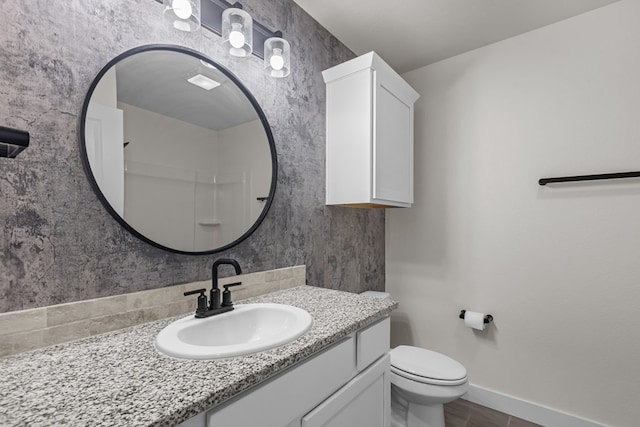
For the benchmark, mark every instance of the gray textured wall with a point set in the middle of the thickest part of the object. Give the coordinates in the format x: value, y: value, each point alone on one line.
x: 59, y: 244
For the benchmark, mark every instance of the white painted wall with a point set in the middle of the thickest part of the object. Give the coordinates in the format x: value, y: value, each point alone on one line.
x: 106, y: 91
x: 558, y: 267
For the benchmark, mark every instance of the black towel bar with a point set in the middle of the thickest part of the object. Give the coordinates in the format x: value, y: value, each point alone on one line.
x: 618, y: 175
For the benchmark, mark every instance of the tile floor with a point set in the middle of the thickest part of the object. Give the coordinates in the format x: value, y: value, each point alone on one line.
x: 462, y: 413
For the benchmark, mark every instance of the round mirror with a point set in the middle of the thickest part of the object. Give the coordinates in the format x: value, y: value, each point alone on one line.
x: 178, y: 150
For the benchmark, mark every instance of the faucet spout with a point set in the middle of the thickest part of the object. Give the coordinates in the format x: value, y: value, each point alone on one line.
x: 214, y: 301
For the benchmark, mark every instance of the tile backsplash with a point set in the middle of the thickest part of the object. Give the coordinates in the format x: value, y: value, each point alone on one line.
x: 40, y: 327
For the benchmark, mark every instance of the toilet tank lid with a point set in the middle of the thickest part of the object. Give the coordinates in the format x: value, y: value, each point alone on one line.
x: 427, y: 364
x: 376, y: 294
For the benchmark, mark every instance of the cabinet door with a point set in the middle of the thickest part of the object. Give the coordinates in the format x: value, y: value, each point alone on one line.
x: 392, y: 145
x: 364, y: 401
x: 349, y: 135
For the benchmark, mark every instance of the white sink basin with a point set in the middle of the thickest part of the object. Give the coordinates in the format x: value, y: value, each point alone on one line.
x: 247, y: 329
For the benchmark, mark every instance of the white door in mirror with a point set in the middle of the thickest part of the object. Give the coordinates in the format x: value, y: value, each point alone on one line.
x: 249, y: 328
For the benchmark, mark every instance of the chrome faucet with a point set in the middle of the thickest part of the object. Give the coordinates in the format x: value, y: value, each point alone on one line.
x: 215, y: 307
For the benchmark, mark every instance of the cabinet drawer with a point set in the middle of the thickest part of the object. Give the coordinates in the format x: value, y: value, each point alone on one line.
x: 278, y: 401
x: 372, y: 343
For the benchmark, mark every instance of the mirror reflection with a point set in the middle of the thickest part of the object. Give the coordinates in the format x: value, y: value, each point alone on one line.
x: 179, y: 152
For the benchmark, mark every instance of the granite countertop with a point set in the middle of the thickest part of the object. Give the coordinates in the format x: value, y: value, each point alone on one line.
x: 119, y: 379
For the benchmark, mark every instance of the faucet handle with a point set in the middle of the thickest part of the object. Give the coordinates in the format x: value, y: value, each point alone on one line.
x: 202, y: 299
x: 226, y: 287
x: 226, y: 295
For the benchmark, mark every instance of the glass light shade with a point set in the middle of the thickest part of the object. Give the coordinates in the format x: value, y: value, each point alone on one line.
x: 237, y: 32
x: 183, y: 15
x: 277, y: 57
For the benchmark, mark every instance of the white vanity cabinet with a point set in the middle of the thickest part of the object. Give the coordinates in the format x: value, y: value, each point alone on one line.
x: 347, y: 384
x: 369, y: 144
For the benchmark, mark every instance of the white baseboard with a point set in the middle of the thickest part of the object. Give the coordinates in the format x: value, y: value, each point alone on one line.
x: 523, y: 409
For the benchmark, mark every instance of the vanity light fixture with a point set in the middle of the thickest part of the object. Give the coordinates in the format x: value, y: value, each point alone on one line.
x: 277, y: 56
x: 237, y: 32
x: 12, y: 141
x: 183, y: 15
x: 241, y: 35
x: 204, y: 82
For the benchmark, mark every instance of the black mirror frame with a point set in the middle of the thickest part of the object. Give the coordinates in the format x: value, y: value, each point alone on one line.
x: 238, y: 83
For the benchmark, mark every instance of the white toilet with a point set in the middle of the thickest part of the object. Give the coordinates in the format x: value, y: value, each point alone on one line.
x: 422, y: 381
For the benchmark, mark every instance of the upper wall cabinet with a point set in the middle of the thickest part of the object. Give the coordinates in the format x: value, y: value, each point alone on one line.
x: 369, y: 134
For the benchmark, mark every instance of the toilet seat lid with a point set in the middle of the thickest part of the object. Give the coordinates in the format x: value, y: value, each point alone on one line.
x: 425, y: 365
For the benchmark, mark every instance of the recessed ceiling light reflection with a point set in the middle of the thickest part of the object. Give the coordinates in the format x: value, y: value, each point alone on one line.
x: 208, y: 65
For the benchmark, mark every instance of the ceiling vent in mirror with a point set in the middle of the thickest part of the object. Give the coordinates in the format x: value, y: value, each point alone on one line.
x: 12, y: 141
x: 240, y: 34
x: 203, y: 82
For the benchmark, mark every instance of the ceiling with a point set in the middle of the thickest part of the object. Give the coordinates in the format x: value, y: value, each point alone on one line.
x: 156, y: 80
x: 410, y: 34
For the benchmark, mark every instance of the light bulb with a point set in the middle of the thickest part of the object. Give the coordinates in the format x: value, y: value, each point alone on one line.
x: 182, y: 8
x: 277, y: 57
x: 276, y: 61
x: 236, y: 38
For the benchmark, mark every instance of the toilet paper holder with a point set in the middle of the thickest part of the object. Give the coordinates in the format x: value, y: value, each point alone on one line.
x: 487, y: 318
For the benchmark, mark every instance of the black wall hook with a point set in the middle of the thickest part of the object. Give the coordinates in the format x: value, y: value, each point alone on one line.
x: 487, y: 318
